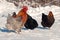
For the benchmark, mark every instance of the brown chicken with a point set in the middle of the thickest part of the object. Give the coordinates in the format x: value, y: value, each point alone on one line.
x: 51, y: 18
x: 23, y: 14
x: 47, y: 20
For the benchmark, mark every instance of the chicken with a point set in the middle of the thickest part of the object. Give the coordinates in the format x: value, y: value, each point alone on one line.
x: 16, y: 21
x: 51, y: 18
x: 13, y: 23
x: 47, y: 20
x: 23, y: 14
x: 31, y: 23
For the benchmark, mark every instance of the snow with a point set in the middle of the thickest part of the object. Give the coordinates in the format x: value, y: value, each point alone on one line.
x: 36, y: 34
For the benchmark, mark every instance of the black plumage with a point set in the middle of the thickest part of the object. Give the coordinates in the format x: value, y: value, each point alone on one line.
x: 47, y: 20
x: 31, y: 23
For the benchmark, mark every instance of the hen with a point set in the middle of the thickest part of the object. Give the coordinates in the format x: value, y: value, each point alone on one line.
x: 13, y: 23
x: 47, y: 20
x: 31, y: 23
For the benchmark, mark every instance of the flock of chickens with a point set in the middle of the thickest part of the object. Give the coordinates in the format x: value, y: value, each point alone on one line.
x: 17, y: 21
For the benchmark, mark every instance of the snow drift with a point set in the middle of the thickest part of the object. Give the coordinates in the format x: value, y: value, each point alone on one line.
x: 36, y: 34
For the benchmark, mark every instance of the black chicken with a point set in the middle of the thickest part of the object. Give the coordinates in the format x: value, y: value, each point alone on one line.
x: 47, y: 20
x: 31, y: 23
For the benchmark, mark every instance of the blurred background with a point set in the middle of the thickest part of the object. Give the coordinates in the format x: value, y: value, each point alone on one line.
x: 35, y: 3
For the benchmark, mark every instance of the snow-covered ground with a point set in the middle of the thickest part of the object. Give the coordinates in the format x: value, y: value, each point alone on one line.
x: 36, y: 34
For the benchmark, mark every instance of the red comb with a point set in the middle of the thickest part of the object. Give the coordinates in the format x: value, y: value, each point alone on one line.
x: 25, y: 7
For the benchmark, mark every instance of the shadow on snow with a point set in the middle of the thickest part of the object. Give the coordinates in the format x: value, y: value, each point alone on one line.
x: 6, y: 30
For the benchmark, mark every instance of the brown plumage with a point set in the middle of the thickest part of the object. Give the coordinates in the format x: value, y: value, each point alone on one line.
x: 47, y: 20
x: 23, y: 14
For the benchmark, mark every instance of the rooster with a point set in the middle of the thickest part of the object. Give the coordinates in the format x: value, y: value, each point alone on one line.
x: 47, y: 20
x: 23, y: 14
x: 16, y: 21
